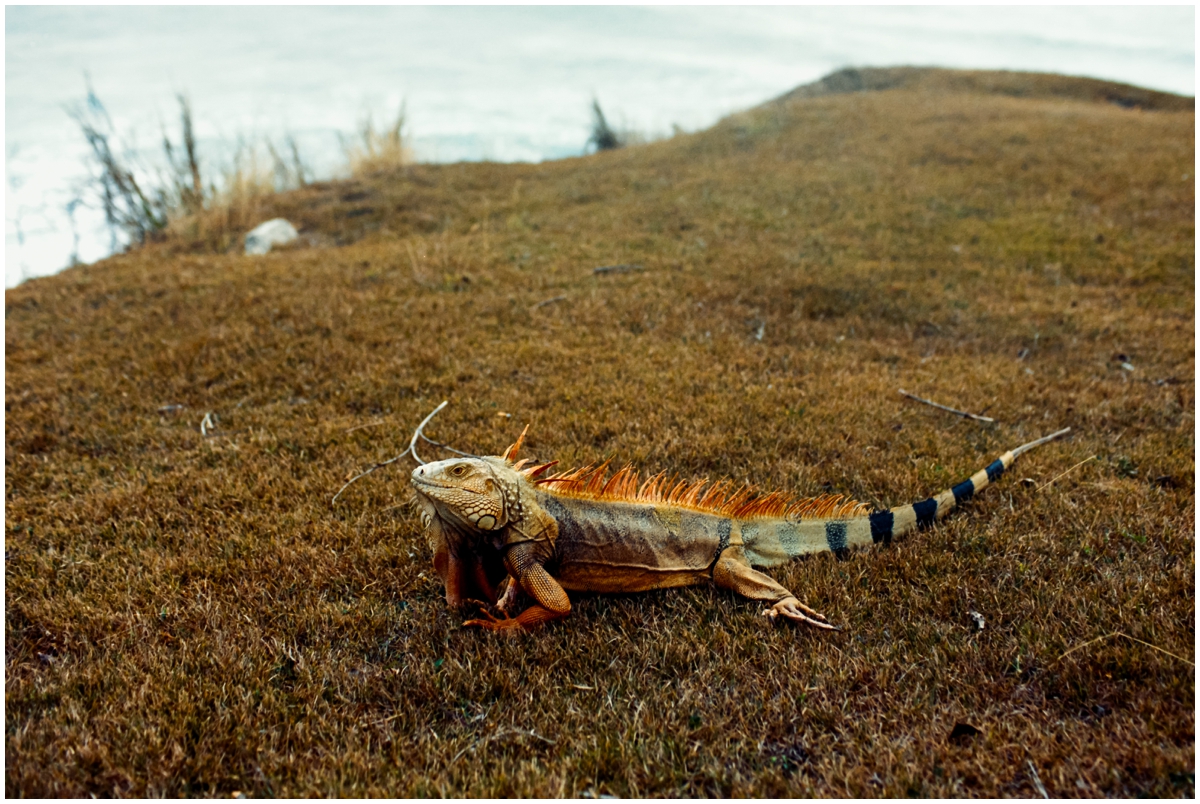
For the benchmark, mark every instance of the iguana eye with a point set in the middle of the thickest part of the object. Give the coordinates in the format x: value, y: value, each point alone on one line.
x: 459, y: 470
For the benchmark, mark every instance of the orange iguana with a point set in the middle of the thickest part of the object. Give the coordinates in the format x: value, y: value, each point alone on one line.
x: 499, y: 526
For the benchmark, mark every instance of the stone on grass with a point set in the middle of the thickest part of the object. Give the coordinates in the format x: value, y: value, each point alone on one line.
x: 275, y: 232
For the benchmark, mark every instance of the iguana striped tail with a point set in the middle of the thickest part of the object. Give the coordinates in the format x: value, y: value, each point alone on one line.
x: 771, y: 542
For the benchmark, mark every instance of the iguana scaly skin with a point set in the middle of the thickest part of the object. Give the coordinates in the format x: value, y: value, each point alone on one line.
x: 494, y: 521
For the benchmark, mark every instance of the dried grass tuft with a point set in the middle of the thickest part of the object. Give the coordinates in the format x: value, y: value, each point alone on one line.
x: 378, y: 151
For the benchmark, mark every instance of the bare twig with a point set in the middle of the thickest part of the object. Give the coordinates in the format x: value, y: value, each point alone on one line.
x: 948, y: 410
x: 465, y: 750
x: 1072, y: 469
x: 364, y: 426
x: 412, y: 445
x: 1037, y: 780
x: 416, y: 434
x: 1021, y: 450
x: 207, y: 424
x: 549, y: 301
x: 498, y: 734
x: 447, y: 447
x: 387, y: 719
x: 618, y: 269
x: 537, y: 736
x: 1127, y: 636
x: 364, y: 474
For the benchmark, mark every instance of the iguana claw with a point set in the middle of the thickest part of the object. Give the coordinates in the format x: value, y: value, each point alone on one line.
x: 492, y: 622
x: 795, y: 610
x: 495, y: 623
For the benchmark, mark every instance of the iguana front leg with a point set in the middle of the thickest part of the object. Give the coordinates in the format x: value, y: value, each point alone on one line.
x: 462, y: 570
x: 733, y: 571
x: 524, y: 564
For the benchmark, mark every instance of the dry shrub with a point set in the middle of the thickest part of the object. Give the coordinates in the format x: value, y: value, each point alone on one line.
x: 606, y: 138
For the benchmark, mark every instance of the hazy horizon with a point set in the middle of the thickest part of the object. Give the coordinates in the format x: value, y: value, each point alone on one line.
x: 507, y: 84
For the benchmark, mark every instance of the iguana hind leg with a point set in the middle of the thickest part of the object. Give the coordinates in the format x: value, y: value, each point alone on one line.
x: 733, y: 571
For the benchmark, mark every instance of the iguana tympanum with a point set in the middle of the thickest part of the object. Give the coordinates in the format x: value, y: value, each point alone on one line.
x: 499, y: 526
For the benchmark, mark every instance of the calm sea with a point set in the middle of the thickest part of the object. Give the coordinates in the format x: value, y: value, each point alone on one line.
x: 492, y: 83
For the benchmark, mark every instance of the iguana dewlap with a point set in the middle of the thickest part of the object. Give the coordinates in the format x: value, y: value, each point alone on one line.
x: 492, y: 519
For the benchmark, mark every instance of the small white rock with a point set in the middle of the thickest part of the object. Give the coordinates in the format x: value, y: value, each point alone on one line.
x: 275, y: 232
x: 977, y: 618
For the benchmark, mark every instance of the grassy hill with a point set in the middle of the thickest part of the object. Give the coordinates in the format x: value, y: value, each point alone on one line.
x: 187, y: 613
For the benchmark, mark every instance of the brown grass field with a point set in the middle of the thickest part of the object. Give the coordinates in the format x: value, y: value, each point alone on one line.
x: 187, y: 614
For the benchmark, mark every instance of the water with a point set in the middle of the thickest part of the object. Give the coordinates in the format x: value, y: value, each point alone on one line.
x: 506, y: 84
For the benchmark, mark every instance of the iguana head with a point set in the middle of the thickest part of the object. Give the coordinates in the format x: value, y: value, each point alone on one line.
x: 482, y: 494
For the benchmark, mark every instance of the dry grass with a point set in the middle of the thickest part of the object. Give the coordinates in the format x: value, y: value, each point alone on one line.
x: 188, y: 615
x: 378, y: 151
x: 244, y: 199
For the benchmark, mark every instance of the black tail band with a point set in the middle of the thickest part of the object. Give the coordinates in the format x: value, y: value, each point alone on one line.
x: 926, y: 511
x: 881, y: 526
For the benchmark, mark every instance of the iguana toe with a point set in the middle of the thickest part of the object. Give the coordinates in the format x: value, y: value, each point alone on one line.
x: 793, y: 609
x: 494, y: 623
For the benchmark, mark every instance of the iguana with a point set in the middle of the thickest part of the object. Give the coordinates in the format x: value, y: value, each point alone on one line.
x: 499, y: 526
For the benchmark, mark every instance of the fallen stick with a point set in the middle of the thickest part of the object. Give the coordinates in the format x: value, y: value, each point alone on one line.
x: 549, y: 301
x: 497, y: 735
x: 447, y: 447
x: 412, y: 445
x: 416, y: 434
x: 1063, y: 474
x: 1037, y: 780
x: 618, y: 269
x: 948, y: 410
x: 1043, y: 440
x: 1127, y: 636
x: 364, y: 426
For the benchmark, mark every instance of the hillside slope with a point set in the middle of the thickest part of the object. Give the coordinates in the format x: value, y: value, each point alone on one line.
x: 187, y: 614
